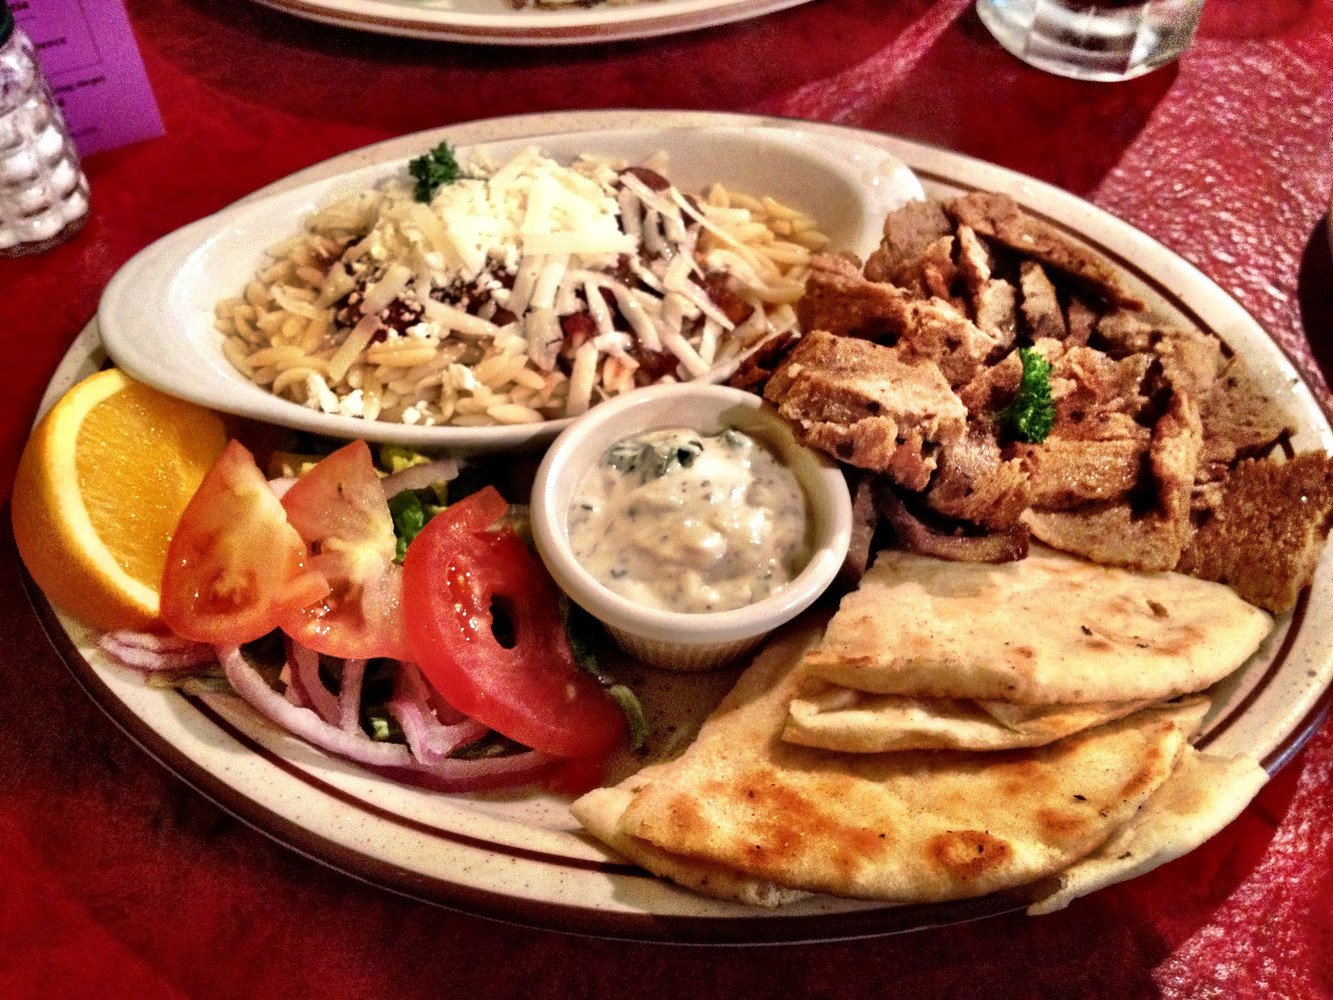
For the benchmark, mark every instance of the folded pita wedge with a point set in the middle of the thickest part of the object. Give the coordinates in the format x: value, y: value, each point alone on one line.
x: 905, y: 827
x: 1201, y: 797
x: 837, y: 718
x: 1047, y: 630
x: 600, y: 811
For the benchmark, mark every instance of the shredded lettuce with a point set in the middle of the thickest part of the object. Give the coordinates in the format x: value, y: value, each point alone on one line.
x: 396, y: 458
x: 410, y: 514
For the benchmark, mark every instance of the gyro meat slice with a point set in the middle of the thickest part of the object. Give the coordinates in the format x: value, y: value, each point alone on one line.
x: 1239, y: 421
x: 933, y: 274
x: 1123, y: 535
x: 843, y: 302
x: 975, y: 483
x: 753, y: 373
x: 998, y: 217
x: 1065, y: 473
x: 1096, y: 396
x: 865, y: 405
x: 1041, y: 305
x: 994, y: 301
x: 908, y: 232
x: 955, y: 545
x: 996, y: 307
x: 1265, y: 536
x: 938, y: 331
x: 1080, y: 320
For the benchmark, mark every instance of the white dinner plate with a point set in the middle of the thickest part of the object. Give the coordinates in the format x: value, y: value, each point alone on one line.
x: 498, y: 22
x: 157, y: 314
x: 518, y: 856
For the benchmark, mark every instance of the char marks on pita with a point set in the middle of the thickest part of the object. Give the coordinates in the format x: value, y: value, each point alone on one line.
x: 600, y: 812
x: 1202, y: 796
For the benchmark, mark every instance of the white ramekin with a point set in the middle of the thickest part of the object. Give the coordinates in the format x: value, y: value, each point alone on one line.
x: 671, y: 639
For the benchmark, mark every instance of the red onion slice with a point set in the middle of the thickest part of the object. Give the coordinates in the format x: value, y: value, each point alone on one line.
x: 392, y: 760
x: 430, y: 740
x: 303, y: 663
x: 1009, y: 545
x: 420, y: 477
x: 149, y: 653
x: 349, y: 695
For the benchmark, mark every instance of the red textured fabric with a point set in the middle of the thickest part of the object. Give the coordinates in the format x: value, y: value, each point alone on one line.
x: 118, y: 881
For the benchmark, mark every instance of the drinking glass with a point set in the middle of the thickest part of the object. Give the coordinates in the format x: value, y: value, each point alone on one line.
x: 1093, y: 39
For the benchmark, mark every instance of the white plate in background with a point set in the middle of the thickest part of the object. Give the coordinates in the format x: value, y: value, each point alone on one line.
x: 497, y: 22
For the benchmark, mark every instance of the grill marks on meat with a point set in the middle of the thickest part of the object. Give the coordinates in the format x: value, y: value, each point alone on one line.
x: 867, y: 406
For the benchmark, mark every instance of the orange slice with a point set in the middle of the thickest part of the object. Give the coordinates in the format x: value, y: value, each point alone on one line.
x: 99, y: 490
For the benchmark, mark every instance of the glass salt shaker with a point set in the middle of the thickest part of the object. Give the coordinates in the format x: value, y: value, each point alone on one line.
x: 43, y: 192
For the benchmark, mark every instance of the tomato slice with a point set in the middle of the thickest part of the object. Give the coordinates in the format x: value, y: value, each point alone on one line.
x: 456, y: 571
x: 339, y: 509
x: 235, y: 567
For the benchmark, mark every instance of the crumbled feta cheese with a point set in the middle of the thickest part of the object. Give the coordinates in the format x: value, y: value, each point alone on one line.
x: 352, y: 405
x: 462, y: 378
x: 319, y: 396
x: 423, y: 331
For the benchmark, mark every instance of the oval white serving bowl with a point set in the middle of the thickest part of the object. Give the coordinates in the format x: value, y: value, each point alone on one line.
x: 672, y: 639
x: 157, y: 314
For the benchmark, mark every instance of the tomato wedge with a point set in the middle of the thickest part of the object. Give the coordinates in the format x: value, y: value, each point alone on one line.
x: 455, y: 573
x: 235, y: 567
x: 339, y: 509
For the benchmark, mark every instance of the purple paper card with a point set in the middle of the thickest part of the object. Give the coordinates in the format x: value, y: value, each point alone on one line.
x: 90, y: 57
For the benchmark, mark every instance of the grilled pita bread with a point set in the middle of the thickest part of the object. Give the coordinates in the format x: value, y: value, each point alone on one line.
x: 906, y: 827
x: 837, y: 718
x: 1201, y: 797
x: 1047, y: 630
x: 600, y: 811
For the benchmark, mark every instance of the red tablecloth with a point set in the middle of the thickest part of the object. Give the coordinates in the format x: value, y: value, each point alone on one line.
x: 117, y: 880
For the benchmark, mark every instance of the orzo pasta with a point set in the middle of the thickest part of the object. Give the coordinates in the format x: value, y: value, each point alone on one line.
x: 520, y: 292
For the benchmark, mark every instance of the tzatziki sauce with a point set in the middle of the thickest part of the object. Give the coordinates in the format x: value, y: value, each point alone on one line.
x: 683, y: 521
